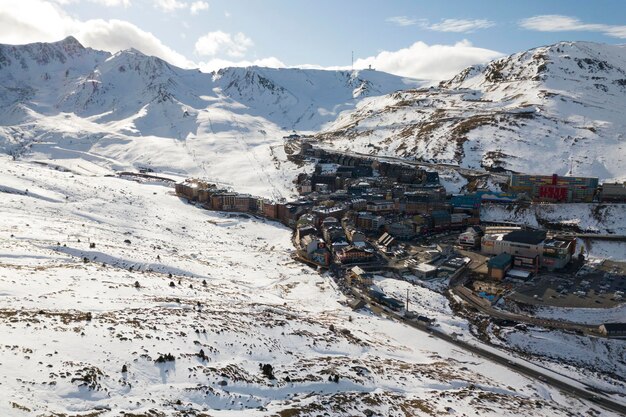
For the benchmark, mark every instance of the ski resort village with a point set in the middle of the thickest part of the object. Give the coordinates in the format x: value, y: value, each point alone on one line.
x: 360, y: 217
x: 285, y: 242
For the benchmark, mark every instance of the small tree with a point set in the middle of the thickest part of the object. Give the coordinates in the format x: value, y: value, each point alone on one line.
x: 268, y: 371
x: 168, y: 357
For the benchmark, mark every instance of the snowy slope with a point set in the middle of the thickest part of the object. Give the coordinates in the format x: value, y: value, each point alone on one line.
x: 545, y: 110
x: 582, y: 217
x: 62, y: 101
x: 578, y: 361
x: 85, y: 289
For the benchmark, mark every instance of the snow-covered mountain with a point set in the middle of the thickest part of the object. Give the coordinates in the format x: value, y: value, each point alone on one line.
x: 549, y: 109
x: 62, y: 101
x: 118, y: 298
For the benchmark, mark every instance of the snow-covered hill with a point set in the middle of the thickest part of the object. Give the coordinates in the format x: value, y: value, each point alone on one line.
x: 88, y: 306
x: 550, y: 109
x: 63, y: 102
x: 580, y: 217
x: 545, y: 110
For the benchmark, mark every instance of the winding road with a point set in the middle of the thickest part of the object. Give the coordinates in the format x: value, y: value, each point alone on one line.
x: 575, y: 388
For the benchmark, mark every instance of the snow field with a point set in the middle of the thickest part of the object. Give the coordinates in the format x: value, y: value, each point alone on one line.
x: 72, y: 314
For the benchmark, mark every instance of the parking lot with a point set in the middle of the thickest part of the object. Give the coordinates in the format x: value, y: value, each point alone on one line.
x: 583, y: 284
x: 596, y: 284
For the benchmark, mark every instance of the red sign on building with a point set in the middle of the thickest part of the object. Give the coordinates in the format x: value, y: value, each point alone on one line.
x: 553, y: 192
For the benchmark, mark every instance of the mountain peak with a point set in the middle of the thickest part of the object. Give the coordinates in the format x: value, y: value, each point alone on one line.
x: 71, y: 41
x: 132, y: 51
x: 43, y: 53
x: 71, y: 46
x: 541, y: 110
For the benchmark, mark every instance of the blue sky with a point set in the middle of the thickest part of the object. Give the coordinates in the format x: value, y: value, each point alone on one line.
x: 425, y: 39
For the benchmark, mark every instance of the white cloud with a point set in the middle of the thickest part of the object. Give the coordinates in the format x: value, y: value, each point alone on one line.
x: 198, y: 6
x: 401, y: 20
x: 108, y: 3
x: 216, y: 64
x: 445, y: 25
x: 116, y: 35
x: 32, y: 21
x: 422, y: 61
x: 214, y: 43
x: 560, y: 23
x: 40, y: 21
x: 112, y: 3
x: 460, y: 25
x: 430, y: 62
x: 170, y: 5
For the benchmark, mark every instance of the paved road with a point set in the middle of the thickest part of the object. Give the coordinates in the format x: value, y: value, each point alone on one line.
x: 594, y: 395
x: 467, y: 171
x: 593, y: 236
x: 485, y: 307
x: 457, y: 288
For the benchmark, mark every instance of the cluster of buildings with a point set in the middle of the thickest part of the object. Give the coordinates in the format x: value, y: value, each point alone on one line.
x: 613, y: 192
x: 357, y: 200
x: 554, y: 188
x: 473, y: 201
x: 212, y: 197
x: 346, y: 203
x: 520, y: 253
x: 524, y: 188
x: 350, y: 206
x: 559, y: 189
